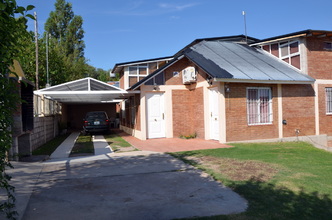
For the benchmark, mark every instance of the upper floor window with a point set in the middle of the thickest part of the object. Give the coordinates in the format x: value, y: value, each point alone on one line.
x: 141, y: 70
x: 157, y: 80
x: 288, y: 51
x: 259, y: 106
x: 328, y: 92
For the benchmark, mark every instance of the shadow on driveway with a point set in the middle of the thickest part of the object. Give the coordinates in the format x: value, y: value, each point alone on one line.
x: 147, y: 186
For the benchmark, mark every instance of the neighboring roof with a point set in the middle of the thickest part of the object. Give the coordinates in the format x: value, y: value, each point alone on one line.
x: 16, y: 68
x: 234, y: 61
x: 118, y: 67
x: 303, y: 33
x: 87, y: 90
x: 19, y: 73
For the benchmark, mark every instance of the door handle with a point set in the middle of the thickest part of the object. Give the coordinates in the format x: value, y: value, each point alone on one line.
x: 155, y: 119
x: 163, y: 116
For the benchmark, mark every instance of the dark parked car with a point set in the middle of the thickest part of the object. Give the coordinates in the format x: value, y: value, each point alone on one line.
x: 96, y: 122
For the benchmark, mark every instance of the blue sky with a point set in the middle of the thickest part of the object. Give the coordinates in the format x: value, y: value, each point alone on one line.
x: 129, y: 30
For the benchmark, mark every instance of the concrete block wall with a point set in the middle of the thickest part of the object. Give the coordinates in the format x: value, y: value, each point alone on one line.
x: 45, y: 129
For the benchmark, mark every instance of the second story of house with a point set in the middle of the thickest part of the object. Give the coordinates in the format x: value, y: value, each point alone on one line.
x: 309, y: 51
x: 132, y: 72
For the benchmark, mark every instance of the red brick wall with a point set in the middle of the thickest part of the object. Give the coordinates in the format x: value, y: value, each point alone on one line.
x: 325, y: 121
x: 178, y: 67
x: 188, y: 112
x: 319, y: 59
x: 298, y: 105
x: 237, y: 128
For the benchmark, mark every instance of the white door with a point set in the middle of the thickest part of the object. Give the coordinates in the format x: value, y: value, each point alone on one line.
x: 214, y: 113
x: 155, y: 115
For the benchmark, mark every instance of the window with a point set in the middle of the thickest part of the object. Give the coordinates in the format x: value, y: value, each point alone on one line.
x: 259, y: 106
x: 157, y: 80
x: 328, y: 92
x: 328, y: 45
x: 289, y: 52
x: 136, y: 73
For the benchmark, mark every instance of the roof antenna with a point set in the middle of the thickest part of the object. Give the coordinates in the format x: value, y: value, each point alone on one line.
x: 245, y: 25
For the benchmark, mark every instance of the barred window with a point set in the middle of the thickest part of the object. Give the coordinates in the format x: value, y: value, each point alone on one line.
x: 259, y: 106
x: 328, y: 92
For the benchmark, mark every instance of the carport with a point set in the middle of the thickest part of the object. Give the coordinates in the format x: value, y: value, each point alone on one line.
x: 81, y: 96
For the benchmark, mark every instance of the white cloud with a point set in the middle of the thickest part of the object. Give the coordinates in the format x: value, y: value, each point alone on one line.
x: 174, y: 7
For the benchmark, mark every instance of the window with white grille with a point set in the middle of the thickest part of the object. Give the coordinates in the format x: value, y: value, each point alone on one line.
x: 328, y: 92
x: 259, y: 106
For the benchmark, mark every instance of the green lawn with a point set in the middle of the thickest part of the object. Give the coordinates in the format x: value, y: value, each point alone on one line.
x: 83, y: 146
x: 49, y: 147
x: 280, y: 180
x: 118, y: 144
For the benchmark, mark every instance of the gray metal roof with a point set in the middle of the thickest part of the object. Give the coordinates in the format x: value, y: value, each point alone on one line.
x: 234, y: 61
x: 87, y: 90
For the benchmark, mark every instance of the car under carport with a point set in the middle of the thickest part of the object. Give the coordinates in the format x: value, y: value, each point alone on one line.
x: 81, y: 96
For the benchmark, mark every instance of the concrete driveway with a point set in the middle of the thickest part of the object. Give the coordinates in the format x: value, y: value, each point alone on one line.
x: 133, y: 185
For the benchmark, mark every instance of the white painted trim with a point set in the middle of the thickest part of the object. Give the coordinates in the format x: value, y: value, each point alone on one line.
x: 206, y: 113
x: 222, y: 114
x: 280, y: 112
x: 323, y: 81
x: 278, y: 39
x: 263, y: 81
x: 132, y: 132
x: 168, y: 108
x: 317, y: 129
x: 38, y: 92
x: 89, y: 84
x: 143, y: 116
x: 126, y: 77
x: 145, y: 62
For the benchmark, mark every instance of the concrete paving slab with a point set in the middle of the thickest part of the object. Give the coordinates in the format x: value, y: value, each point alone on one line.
x: 100, y: 145
x: 24, y: 177
x: 65, y: 147
x: 150, y: 186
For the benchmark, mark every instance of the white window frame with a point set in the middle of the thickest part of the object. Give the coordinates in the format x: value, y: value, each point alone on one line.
x: 289, y: 56
x: 328, y: 100
x: 258, y: 104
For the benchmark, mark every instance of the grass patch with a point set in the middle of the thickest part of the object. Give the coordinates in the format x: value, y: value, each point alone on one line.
x: 83, y: 146
x: 280, y: 180
x: 49, y: 147
x: 118, y: 144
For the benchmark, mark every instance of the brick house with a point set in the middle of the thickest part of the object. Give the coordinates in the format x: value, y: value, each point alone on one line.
x: 230, y: 90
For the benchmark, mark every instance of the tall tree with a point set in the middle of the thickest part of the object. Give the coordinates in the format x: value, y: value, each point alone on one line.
x: 67, y: 28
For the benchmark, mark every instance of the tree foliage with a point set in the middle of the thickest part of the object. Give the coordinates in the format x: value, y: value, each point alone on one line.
x: 11, y: 48
x: 64, y: 31
x: 67, y: 29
